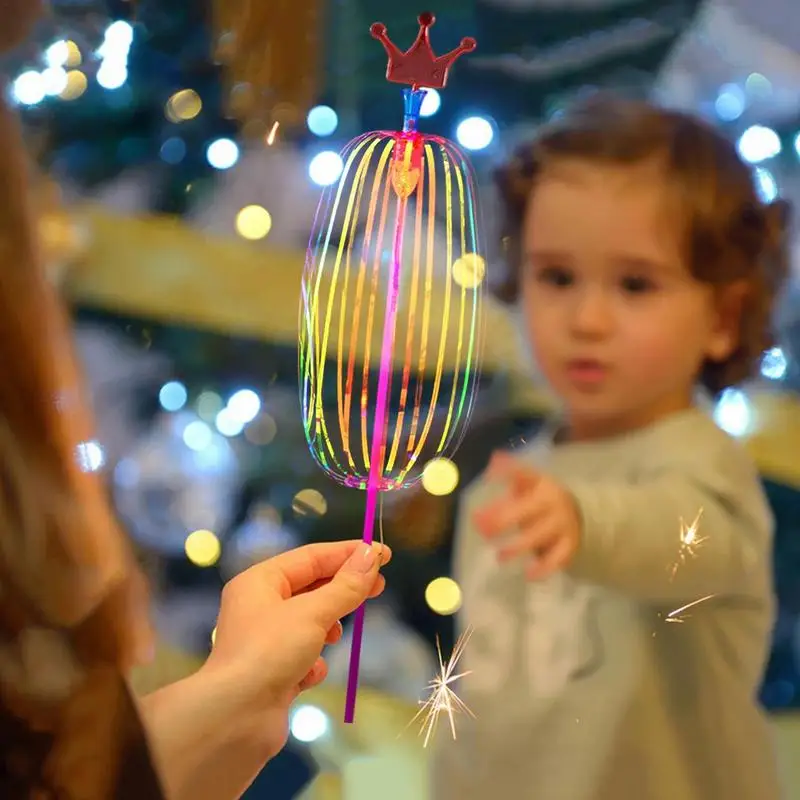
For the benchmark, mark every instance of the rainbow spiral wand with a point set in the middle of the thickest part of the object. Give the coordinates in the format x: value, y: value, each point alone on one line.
x: 372, y: 254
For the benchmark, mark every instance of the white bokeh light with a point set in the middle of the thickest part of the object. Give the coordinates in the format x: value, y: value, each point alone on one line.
x: 54, y: 80
x: 112, y: 74
x: 475, y: 133
x: 766, y: 185
x: 325, y: 168
x: 431, y: 103
x: 90, y: 456
x: 733, y: 412
x: 119, y: 34
x: 222, y: 153
x: 228, y: 424
x: 309, y: 723
x: 197, y: 436
x: 759, y: 143
x: 244, y: 405
x: 774, y: 364
x: 29, y: 88
x: 57, y: 54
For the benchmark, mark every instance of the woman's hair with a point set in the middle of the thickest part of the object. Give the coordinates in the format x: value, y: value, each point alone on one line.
x: 62, y: 557
x: 730, y: 234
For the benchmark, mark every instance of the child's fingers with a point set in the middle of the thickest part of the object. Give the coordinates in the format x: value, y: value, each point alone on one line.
x: 509, y: 513
x: 550, y: 561
x: 536, y: 539
x: 505, y: 467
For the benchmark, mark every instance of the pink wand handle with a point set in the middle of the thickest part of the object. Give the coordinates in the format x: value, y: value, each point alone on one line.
x: 378, y: 447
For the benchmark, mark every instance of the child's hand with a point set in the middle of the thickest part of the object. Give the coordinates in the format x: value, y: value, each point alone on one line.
x: 539, y: 514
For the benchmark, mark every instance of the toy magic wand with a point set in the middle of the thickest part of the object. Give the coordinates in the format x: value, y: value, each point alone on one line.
x: 374, y: 336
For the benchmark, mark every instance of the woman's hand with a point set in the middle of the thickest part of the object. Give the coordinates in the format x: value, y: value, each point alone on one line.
x: 277, y: 616
x: 213, y: 732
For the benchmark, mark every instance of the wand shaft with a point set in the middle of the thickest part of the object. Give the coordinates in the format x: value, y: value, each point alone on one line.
x: 374, y: 479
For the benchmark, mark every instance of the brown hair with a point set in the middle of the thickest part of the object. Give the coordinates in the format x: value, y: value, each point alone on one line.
x: 62, y: 557
x: 731, y: 234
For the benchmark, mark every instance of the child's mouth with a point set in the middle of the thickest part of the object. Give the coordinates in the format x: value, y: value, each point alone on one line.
x: 586, y: 372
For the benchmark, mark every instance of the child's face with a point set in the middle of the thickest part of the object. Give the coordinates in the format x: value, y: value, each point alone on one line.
x: 619, y: 326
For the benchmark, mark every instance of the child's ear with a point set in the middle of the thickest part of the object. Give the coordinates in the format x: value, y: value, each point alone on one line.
x: 730, y: 303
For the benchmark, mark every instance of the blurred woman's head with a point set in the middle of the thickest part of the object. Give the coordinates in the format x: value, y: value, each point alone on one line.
x: 62, y: 557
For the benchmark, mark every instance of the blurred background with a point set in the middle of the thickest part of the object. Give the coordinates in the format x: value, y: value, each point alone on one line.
x: 182, y: 148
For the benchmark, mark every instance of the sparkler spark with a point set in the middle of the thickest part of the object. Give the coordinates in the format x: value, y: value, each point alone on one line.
x: 443, y: 698
x: 689, y: 542
x: 679, y: 615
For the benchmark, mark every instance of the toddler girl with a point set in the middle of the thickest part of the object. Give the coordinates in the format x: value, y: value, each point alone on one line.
x: 645, y: 265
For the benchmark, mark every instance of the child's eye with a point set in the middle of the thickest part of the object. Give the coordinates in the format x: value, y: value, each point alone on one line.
x: 636, y: 284
x: 555, y: 276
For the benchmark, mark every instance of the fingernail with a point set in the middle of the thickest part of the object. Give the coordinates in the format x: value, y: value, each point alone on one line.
x: 362, y: 560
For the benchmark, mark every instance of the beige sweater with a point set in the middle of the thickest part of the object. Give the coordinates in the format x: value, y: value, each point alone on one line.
x: 590, y: 686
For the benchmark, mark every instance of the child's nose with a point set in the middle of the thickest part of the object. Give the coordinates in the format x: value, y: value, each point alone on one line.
x: 592, y: 314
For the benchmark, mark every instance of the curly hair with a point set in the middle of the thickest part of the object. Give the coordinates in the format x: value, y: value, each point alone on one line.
x: 730, y: 234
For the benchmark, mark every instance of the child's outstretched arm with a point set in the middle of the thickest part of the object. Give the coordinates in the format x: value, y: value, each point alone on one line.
x: 697, y: 525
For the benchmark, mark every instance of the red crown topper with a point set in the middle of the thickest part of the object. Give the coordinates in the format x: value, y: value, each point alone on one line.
x: 418, y: 66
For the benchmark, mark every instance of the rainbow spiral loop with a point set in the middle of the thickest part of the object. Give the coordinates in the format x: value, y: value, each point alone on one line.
x: 391, y: 310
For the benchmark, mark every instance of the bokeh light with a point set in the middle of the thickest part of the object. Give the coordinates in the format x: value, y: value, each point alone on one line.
x: 183, y: 106
x: 203, y: 548
x: 469, y: 270
x: 173, y: 396
x: 228, y: 424
x: 77, y: 83
x: 733, y: 412
x: 309, y: 502
x: 475, y: 133
x: 222, y: 153
x: 322, y: 120
x: 54, y: 80
x: 325, y: 168
x: 766, y: 185
x: 730, y: 102
x: 173, y: 151
x: 253, y: 222
x: 90, y: 456
x: 774, y: 364
x: 244, y: 405
x: 57, y: 54
x: 112, y: 75
x: 431, y: 103
x: 440, y: 477
x: 74, y: 57
x: 28, y: 89
x: 443, y: 596
x: 197, y: 436
x: 308, y: 723
x: 759, y: 143
x: 261, y: 431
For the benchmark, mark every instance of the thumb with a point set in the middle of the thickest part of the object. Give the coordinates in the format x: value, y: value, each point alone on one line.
x: 347, y: 590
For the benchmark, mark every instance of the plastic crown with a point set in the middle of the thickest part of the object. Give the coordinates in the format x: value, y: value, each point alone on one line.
x: 419, y: 67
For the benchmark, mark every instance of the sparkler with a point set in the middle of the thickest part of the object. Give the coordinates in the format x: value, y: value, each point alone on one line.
x: 679, y: 615
x: 443, y: 699
x: 689, y: 542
